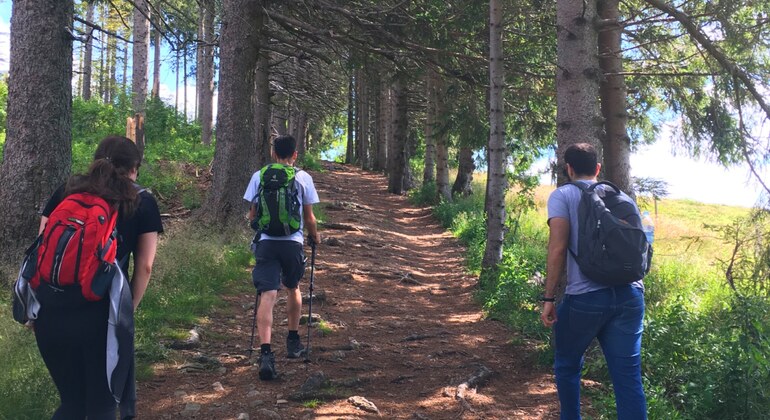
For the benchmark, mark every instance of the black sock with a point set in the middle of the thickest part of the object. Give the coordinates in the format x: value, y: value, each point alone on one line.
x: 293, y: 334
x: 264, y: 348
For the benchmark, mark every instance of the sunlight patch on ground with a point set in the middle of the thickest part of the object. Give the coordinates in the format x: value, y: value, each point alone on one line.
x: 465, y: 318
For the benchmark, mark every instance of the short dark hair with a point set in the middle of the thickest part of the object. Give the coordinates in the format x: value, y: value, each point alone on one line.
x: 582, y: 157
x: 284, y: 146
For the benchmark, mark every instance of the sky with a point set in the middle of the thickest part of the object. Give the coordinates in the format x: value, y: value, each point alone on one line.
x: 688, y: 178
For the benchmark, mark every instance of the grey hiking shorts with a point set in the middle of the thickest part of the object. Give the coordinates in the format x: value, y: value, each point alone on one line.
x: 278, y: 262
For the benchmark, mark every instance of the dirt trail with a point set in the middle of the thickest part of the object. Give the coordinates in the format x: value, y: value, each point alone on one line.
x: 405, y: 330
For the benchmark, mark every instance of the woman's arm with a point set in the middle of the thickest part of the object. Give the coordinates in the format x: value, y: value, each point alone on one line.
x: 144, y: 257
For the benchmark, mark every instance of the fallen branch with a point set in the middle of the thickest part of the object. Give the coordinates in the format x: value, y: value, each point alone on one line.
x: 481, y: 374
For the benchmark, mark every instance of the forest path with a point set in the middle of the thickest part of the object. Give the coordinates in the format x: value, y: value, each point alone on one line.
x: 405, y: 330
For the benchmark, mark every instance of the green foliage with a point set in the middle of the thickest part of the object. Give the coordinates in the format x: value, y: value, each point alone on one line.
x: 310, y: 162
x: 424, y: 195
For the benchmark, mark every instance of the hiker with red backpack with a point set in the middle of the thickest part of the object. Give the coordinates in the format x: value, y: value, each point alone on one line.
x: 282, y: 199
x: 77, y: 322
x: 596, y: 232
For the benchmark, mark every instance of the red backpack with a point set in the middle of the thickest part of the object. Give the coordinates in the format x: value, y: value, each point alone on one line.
x: 78, y: 246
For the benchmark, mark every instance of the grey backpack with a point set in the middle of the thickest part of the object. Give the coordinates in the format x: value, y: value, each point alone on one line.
x: 612, y: 247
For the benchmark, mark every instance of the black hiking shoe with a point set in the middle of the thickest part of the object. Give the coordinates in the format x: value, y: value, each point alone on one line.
x: 294, y: 348
x: 266, y: 363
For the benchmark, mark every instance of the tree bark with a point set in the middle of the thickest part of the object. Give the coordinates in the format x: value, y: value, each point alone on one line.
x: 350, y: 147
x: 176, y: 82
x: 184, y: 82
x: 38, y: 148
x: 140, y: 60
x: 235, y: 156
x: 262, y: 108
x: 383, y: 131
x: 429, y: 170
x: 441, y: 138
x: 578, y: 119
x: 112, y: 54
x: 497, y: 181
x: 616, y: 143
x: 362, y: 137
x: 397, y: 156
x: 464, y: 179
x: 206, y: 73
x: 88, y: 54
x: 155, y: 93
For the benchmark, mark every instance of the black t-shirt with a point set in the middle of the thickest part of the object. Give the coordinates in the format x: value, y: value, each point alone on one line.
x: 146, y: 219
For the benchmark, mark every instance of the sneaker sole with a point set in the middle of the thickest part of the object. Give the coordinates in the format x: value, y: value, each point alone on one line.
x: 266, y: 375
x: 295, y: 355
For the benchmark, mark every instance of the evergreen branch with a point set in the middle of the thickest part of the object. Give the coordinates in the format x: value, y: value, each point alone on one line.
x: 96, y: 27
x: 714, y: 51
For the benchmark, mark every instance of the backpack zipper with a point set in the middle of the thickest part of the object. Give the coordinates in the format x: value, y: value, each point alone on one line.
x: 61, y: 248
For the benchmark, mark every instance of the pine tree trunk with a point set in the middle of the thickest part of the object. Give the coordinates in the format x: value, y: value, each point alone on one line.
x: 362, y: 137
x: 176, y: 82
x: 397, y: 154
x: 384, y: 120
x: 124, y: 87
x: 112, y: 80
x: 429, y: 170
x: 441, y: 135
x: 102, y: 61
x: 88, y: 55
x: 156, y: 67
x: 497, y: 181
x: 207, y: 83
x: 38, y: 147
x: 184, y: 82
x: 464, y: 180
x: 140, y: 60
x: 235, y: 157
x: 577, y: 79
x: 349, y: 149
x: 616, y: 143
x: 262, y: 108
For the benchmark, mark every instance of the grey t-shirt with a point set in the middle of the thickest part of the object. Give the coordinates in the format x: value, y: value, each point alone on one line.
x: 563, y: 203
x: 307, y: 195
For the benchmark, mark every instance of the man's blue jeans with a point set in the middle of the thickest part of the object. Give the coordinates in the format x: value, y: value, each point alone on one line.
x: 614, y: 316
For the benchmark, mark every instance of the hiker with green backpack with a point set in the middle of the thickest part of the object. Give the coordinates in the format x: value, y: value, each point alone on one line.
x: 282, y: 199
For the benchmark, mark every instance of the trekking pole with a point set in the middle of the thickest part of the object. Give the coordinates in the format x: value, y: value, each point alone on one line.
x: 253, y: 326
x: 310, y: 300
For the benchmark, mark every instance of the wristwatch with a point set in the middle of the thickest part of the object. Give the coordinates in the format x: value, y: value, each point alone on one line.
x: 547, y: 299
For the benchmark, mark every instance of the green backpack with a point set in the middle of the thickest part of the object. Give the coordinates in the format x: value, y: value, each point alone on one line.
x: 277, y: 201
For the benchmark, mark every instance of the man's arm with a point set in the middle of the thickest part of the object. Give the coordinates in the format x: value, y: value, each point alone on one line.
x: 310, y: 223
x: 558, y: 240
x: 144, y: 257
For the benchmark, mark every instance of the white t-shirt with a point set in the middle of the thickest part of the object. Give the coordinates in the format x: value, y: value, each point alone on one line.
x: 307, y: 195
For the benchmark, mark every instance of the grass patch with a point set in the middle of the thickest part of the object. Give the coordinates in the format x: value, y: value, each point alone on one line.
x: 26, y: 389
x: 312, y: 403
x: 194, y: 267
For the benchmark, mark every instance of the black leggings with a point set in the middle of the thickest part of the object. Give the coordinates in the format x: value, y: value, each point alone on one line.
x: 73, y: 344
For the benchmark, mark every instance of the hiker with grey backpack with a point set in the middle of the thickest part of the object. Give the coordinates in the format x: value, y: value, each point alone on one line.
x: 596, y: 232
x: 281, y: 198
